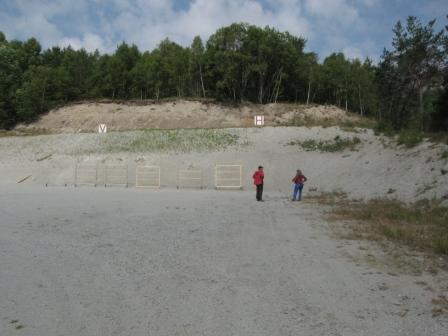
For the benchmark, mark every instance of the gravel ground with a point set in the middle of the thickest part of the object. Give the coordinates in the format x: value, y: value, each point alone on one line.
x: 139, y: 262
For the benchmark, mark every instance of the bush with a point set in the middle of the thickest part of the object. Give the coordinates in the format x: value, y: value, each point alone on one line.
x: 336, y: 145
x: 383, y: 128
x: 440, y: 244
x: 409, y: 138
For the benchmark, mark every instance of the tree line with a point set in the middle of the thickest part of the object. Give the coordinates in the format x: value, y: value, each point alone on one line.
x: 240, y: 62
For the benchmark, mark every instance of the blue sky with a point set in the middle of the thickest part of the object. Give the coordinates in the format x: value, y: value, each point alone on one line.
x: 359, y: 28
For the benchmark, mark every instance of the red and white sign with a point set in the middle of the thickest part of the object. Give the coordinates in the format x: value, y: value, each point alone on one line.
x: 102, y: 128
x: 259, y: 120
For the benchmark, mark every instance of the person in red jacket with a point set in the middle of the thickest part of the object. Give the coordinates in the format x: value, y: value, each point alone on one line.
x: 258, y: 181
x: 299, y: 181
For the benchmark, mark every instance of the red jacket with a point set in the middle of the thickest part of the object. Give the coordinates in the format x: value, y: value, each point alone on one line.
x: 258, y: 177
x: 299, y: 179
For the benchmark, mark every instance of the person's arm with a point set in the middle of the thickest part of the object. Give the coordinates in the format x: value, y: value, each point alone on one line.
x: 305, y: 179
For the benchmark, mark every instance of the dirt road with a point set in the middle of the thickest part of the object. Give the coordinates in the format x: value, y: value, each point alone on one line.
x: 138, y: 262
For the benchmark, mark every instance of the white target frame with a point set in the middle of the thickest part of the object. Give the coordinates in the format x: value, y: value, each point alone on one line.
x: 190, y: 178
x: 228, y: 176
x: 86, y: 174
x: 147, y: 177
x: 116, y: 175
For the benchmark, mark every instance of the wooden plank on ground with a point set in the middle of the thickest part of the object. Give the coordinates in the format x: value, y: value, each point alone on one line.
x: 23, y: 179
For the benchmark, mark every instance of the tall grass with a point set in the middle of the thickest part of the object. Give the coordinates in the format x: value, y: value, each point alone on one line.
x: 353, y: 121
x: 338, y: 144
x: 410, y: 138
x: 23, y: 132
x: 422, y: 225
x: 180, y: 141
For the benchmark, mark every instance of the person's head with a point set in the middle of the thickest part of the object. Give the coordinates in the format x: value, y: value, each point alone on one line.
x: 299, y: 172
x: 260, y: 167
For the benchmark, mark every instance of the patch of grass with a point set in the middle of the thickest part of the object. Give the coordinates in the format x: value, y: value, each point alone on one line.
x: 410, y: 138
x: 440, y: 244
x: 24, y: 132
x: 426, y: 187
x: 392, y: 232
x: 355, y: 121
x: 383, y: 128
x: 422, y: 225
x: 353, y: 129
x: 440, y: 137
x: 440, y: 306
x: 179, y: 141
x: 338, y: 144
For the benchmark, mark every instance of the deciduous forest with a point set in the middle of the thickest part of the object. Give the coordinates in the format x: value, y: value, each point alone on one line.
x: 408, y: 88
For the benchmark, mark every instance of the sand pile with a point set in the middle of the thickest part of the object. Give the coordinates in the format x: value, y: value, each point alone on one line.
x: 85, y: 117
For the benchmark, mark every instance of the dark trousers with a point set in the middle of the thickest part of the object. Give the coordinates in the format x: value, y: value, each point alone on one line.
x: 259, y: 192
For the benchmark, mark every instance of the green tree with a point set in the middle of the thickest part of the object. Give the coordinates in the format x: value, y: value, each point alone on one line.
x: 336, y: 77
x: 197, y: 63
x: 10, y: 77
x: 412, y: 68
x: 34, y: 96
x: 248, y: 62
x: 227, y: 65
x: 76, y: 67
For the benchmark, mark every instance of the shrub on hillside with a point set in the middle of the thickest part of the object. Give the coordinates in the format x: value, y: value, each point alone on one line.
x: 409, y: 138
x: 383, y: 128
x: 338, y: 144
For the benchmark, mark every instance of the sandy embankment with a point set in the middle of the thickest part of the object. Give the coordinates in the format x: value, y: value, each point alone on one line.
x: 86, y: 117
x: 377, y: 169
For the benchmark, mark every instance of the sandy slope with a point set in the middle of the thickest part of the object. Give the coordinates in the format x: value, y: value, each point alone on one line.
x: 377, y: 169
x: 139, y: 262
x: 86, y: 117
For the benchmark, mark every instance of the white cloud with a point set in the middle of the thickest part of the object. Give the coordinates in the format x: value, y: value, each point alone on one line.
x: 50, y: 8
x: 35, y: 17
x: 353, y: 52
x: 333, y: 10
x: 34, y: 26
x: 147, y: 26
x: 370, y: 3
x: 89, y: 42
x: 329, y: 25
